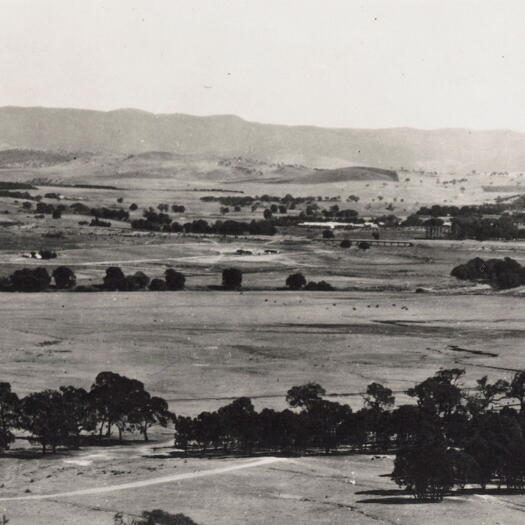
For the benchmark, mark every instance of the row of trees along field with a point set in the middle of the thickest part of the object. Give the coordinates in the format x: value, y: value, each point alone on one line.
x: 63, y: 417
x: 451, y: 437
x: 38, y: 280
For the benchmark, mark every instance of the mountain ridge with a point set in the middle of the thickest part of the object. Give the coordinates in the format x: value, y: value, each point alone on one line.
x: 128, y: 130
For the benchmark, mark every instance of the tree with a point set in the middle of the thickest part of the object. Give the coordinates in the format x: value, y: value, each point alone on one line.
x: 295, y: 281
x: 115, y: 279
x: 9, y: 412
x: 304, y: 396
x: 328, y: 234
x: 517, y: 389
x: 133, y: 207
x: 57, y: 213
x: 379, y: 397
x: 137, y: 281
x: 174, y: 280
x: 45, y: 417
x: 231, y: 278
x: 64, y: 277
x: 27, y: 280
x: 154, y: 517
x: 267, y: 214
x: 345, y: 243
x: 440, y: 394
x: 116, y: 398
x: 149, y: 410
x: 426, y: 471
x: 363, y: 245
x: 158, y: 285
x: 80, y: 411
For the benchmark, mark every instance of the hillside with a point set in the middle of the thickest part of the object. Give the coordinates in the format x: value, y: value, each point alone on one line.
x: 131, y: 131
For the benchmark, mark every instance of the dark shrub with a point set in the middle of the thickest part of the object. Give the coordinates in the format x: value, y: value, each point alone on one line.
x: 328, y: 234
x: 115, y: 279
x: 321, y: 286
x: 64, y: 277
x: 345, y: 243
x: 231, y: 278
x: 137, y: 281
x: 295, y: 281
x: 133, y: 207
x: 57, y: 214
x: 174, y: 280
x: 158, y: 285
x: 363, y: 245
x: 27, y: 280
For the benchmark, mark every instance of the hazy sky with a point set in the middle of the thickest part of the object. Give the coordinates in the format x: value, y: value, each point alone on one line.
x: 344, y: 63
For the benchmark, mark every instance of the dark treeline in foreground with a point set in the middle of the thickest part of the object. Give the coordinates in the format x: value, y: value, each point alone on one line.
x: 451, y: 436
x: 61, y: 418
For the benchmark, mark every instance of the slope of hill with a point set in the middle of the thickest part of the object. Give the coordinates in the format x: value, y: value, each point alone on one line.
x: 131, y: 131
x: 350, y: 174
x: 21, y: 158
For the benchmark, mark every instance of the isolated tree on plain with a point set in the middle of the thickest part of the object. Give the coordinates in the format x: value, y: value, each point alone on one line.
x: 174, y: 280
x: 363, y: 245
x: 345, y: 243
x: 295, y: 281
x: 231, y: 278
x: 133, y: 206
x: 64, y: 277
x: 304, y: 396
x: 9, y: 412
x: 328, y: 234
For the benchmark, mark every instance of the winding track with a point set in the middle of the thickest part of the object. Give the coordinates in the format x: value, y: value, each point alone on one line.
x: 148, y: 482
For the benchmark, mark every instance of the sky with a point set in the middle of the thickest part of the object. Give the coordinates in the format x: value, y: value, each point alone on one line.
x: 336, y: 63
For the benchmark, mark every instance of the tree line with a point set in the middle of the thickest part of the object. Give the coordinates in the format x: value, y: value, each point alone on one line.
x: 61, y: 418
x: 31, y: 280
x: 450, y: 437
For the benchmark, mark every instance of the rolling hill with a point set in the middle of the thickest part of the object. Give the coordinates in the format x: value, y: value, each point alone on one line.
x: 131, y: 131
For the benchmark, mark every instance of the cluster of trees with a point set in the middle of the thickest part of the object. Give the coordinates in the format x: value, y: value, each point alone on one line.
x: 37, y: 280
x: 297, y: 281
x: 438, y: 210
x: 499, y: 273
x: 115, y: 280
x: 479, y: 228
x: 451, y: 436
x: 60, y: 418
x: 18, y: 195
x: 162, y: 222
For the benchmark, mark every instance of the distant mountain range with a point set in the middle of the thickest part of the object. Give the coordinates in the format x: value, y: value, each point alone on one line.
x: 133, y: 131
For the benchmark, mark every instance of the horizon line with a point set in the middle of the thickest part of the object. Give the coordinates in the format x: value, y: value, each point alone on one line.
x: 233, y: 116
